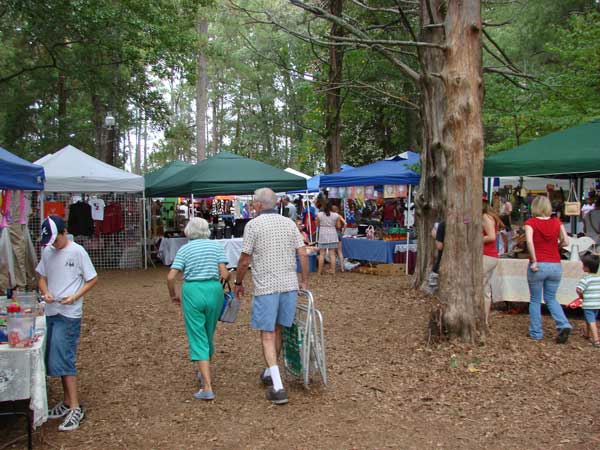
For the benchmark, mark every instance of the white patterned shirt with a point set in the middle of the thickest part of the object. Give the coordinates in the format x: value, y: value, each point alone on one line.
x: 271, y: 240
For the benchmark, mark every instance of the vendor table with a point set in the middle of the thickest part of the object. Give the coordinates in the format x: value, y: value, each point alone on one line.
x: 23, y: 375
x: 169, y: 246
x: 374, y: 250
x: 509, y: 282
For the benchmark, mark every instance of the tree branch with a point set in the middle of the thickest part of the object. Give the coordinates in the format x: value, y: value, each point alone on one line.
x: 319, y: 12
x: 504, y: 55
x: 388, y: 42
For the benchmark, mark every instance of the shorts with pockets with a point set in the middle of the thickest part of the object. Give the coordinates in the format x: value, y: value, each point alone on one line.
x: 269, y: 310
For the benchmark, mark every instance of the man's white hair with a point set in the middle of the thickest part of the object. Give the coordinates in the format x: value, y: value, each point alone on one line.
x: 266, y: 197
x: 197, y: 228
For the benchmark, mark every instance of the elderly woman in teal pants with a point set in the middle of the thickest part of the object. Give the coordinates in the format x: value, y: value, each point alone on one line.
x: 202, y: 263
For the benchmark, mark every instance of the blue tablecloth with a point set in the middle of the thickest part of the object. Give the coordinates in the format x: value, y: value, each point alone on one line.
x: 370, y: 250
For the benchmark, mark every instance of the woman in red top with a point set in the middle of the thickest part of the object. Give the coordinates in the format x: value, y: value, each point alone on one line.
x: 490, y: 223
x: 545, y: 271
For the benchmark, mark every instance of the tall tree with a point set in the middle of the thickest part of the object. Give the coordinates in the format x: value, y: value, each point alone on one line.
x: 450, y: 79
x: 201, y: 88
x: 333, y: 97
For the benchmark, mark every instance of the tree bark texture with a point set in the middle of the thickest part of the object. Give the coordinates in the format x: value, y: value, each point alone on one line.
x: 215, y: 126
x: 201, y: 89
x: 99, y: 130
x: 333, y: 98
x: 452, y: 160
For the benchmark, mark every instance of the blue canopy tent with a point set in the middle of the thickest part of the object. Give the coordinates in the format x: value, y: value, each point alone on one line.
x: 18, y: 174
x: 312, y: 184
x: 393, y: 170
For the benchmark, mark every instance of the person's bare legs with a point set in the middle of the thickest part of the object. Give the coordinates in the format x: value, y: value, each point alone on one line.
x: 204, y: 367
x: 340, y: 256
x: 321, y: 261
x: 269, y: 345
x: 332, y: 253
x: 69, y: 383
x: 593, y: 332
x: 278, y: 340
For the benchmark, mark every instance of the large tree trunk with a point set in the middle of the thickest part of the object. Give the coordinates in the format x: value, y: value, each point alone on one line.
x: 138, y: 144
x: 98, y: 112
x: 215, y: 126
x: 452, y: 160
x: 62, y: 108
x: 333, y: 99
x: 201, y: 89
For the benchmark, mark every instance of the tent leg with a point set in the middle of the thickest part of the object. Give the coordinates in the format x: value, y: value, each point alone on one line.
x: 145, y: 231
x: 407, y: 233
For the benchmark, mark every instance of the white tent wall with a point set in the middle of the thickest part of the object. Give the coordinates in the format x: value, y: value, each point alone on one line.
x: 71, y: 173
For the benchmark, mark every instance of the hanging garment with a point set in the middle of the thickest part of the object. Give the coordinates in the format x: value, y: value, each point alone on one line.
x: 80, y: 219
x: 97, y: 205
x: 54, y: 209
x: 113, y: 219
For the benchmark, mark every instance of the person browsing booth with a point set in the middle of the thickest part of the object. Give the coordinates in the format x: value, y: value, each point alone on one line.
x: 271, y: 243
x: 66, y: 274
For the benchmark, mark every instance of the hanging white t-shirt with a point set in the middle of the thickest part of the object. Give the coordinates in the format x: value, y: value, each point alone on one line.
x: 184, y: 210
x: 67, y: 270
x: 97, y: 205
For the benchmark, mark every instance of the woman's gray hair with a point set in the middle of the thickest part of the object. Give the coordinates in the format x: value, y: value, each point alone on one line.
x: 266, y: 197
x: 197, y: 228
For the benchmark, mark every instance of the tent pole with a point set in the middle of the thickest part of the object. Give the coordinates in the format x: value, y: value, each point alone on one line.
x: 573, y: 219
x: 192, y: 211
x: 145, y: 231
x: 41, y: 200
x: 407, y: 234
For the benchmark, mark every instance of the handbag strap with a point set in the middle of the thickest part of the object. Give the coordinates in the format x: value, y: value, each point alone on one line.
x: 226, y: 284
x: 572, y: 191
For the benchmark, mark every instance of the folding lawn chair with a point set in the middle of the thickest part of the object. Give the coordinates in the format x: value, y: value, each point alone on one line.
x: 304, y: 342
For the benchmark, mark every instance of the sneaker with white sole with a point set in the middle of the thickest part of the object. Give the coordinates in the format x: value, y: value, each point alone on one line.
x: 59, y: 411
x: 74, y: 418
x: 279, y: 397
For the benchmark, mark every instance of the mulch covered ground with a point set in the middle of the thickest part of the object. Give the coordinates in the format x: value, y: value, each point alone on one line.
x: 388, y: 388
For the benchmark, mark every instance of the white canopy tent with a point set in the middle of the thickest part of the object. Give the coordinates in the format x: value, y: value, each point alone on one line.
x: 70, y: 170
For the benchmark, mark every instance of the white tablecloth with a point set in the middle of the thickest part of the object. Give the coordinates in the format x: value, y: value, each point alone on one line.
x: 23, y: 375
x: 169, y: 246
x: 509, y: 282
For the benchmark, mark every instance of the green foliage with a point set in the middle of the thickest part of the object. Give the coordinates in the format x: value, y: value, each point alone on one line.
x: 559, y: 44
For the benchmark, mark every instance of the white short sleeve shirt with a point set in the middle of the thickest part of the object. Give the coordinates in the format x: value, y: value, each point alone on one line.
x: 271, y: 240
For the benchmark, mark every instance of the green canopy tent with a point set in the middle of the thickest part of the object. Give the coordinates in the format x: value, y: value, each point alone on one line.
x: 570, y: 153
x: 226, y: 174
x: 164, y: 173
x: 573, y: 153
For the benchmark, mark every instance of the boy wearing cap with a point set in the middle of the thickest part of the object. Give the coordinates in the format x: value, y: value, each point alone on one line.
x: 66, y: 274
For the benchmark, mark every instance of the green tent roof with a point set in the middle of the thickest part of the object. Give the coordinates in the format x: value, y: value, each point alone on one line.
x: 226, y: 173
x: 164, y: 173
x: 574, y: 151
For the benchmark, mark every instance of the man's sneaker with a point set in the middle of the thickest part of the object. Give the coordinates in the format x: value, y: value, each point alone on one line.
x: 59, y: 411
x: 279, y: 397
x: 74, y: 418
x: 563, y: 335
x: 266, y: 379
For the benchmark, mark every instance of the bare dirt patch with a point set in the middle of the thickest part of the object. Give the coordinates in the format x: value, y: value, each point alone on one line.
x: 388, y: 389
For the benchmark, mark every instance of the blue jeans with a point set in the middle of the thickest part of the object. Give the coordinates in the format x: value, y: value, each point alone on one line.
x: 545, y: 282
